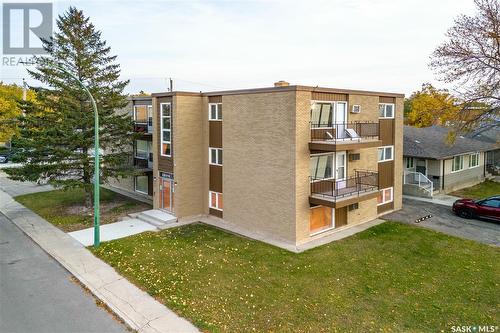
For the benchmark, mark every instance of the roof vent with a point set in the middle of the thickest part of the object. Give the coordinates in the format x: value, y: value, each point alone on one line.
x: 281, y: 83
x: 416, y: 141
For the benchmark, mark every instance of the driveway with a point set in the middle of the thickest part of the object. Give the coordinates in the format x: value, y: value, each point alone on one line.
x: 444, y: 220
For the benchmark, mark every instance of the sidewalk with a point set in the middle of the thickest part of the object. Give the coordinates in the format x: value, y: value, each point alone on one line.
x: 135, y: 307
x: 439, y: 199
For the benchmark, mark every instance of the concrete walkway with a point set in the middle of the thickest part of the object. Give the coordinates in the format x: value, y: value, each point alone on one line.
x: 112, y: 231
x: 439, y: 199
x: 134, y: 306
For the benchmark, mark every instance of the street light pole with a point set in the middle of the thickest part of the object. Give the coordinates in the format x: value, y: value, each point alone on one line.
x: 97, y: 217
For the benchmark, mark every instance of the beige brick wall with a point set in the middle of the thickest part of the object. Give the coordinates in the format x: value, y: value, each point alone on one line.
x: 302, y: 156
x: 259, y: 162
x: 369, y: 108
x: 398, y: 154
x: 367, y: 160
x: 189, y: 162
x: 367, y: 211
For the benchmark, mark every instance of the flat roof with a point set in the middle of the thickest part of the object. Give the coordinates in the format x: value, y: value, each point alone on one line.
x: 281, y: 89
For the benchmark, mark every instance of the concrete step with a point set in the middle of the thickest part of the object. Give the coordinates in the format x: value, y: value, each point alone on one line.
x: 156, y: 217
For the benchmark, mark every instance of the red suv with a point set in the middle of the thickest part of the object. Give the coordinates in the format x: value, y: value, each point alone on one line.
x: 487, y: 208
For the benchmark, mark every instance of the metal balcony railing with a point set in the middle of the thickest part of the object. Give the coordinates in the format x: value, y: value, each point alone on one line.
x: 144, y: 125
x: 363, y: 181
x: 348, y: 131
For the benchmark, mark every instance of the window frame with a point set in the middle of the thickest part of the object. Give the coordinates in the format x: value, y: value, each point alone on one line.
x: 219, y: 156
x: 135, y: 184
x: 148, y: 150
x: 135, y: 113
x: 162, y: 129
x: 477, y: 160
x: 218, y: 111
x: 461, y: 163
x: 384, y: 155
x: 412, y: 163
x: 313, y: 178
x: 385, y: 110
x: 383, y: 195
x: 217, y: 194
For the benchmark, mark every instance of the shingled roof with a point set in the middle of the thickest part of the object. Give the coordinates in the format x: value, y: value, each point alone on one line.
x: 430, y: 142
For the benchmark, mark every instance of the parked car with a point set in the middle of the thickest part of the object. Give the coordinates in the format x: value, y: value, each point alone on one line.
x: 4, y: 157
x: 486, y: 208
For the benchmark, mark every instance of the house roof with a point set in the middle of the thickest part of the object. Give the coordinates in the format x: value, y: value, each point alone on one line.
x: 430, y: 142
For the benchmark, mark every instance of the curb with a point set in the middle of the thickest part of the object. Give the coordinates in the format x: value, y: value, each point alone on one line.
x: 136, y: 308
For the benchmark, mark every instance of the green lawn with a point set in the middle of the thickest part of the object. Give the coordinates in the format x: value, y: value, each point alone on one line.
x: 64, y: 208
x: 479, y: 191
x: 392, y: 277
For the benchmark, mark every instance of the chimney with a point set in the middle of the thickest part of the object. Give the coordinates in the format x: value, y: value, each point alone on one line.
x: 281, y: 83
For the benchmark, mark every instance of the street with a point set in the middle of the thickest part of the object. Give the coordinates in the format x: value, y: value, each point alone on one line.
x: 38, y: 295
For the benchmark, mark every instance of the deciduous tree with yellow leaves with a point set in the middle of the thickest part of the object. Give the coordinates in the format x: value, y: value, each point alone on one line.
x: 10, y: 95
x: 431, y: 106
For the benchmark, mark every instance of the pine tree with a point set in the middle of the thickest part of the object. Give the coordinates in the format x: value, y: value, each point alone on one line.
x: 57, y: 133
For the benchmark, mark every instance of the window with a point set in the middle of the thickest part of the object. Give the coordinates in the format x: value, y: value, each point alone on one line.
x: 166, y: 129
x: 142, y: 149
x: 385, y: 153
x: 321, y: 166
x: 409, y: 162
x: 473, y: 160
x: 495, y: 203
x: 320, y: 218
x: 141, y: 184
x: 215, y: 200
x: 458, y: 163
x: 321, y: 114
x: 150, y: 115
x: 384, y: 196
x: 215, y: 111
x: 141, y: 113
x: 386, y: 110
x: 215, y: 156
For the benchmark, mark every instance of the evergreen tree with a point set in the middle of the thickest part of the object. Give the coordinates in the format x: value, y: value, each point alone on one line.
x: 57, y: 133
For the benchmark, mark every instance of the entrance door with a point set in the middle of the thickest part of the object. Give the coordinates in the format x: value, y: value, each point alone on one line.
x: 340, y: 113
x: 340, y: 170
x: 166, y: 193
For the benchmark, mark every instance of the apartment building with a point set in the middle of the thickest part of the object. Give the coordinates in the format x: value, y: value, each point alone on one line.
x: 291, y: 163
x: 141, y: 151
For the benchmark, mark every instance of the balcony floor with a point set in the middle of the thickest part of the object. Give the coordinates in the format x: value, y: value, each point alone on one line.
x: 345, y: 200
x: 340, y: 145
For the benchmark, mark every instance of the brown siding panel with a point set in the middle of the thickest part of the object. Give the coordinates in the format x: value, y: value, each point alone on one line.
x: 340, y: 217
x: 321, y: 96
x: 215, y: 182
x: 150, y: 183
x: 385, y: 174
x: 215, y: 134
x: 384, y: 99
x: 385, y: 207
x: 215, y: 212
x: 386, y: 131
x: 215, y: 99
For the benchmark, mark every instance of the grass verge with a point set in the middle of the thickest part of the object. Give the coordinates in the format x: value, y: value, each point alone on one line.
x: 392, y: 277
x: 485, y: 189
x: 64, y: 208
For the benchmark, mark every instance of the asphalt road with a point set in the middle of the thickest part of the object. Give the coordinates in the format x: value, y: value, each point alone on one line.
x: 444, y: 220
x: 38, y: 295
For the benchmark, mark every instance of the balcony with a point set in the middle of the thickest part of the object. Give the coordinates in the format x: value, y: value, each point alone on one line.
x: 144, y: 126
x: 340, y: 193
x: 144, y: 163
x: 344, y: 136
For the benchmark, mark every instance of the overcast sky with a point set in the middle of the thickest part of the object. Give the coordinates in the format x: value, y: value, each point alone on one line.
x: 379, y: 45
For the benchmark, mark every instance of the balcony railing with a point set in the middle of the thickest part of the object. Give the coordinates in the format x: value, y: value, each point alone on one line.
x: 144, y: 162
x: 143, y: 125
x: 348, y: 131
x: 363, y: 181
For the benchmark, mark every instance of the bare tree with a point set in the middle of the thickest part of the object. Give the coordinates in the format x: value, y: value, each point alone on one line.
x: 470, y: 59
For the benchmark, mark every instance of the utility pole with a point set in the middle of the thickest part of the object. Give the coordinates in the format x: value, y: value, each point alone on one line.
x: 171, y: 84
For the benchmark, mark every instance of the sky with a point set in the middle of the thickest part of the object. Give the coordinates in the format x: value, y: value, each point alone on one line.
x: 381, y: 45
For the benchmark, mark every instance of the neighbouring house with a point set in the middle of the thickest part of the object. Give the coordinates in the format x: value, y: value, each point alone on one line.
x: 291, y: 163
x: 140, y: 186
x: 432, y: 165
x: 489, y: 134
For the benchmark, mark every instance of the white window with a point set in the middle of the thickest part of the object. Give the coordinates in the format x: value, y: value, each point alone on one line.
x: 215, y: 156
x: 215, y: 111
x: 321, y: 166
x: 386, y: 153
x: 409, y: 162
x: 458, y: 163
x: 386, y: 110
x: 384, y: 196
x: 142, y: 149
x: 215, y: 200
x: 166, y: 129
x: 473, y: 160
x: 321, y: 114
x: 141, y: 184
